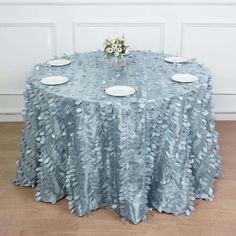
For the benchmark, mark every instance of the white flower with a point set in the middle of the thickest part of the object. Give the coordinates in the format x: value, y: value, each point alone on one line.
x: 114, y: 46
x: 109, y: 50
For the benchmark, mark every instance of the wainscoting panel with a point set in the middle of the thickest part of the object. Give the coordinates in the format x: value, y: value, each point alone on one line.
x: 214, y: 43
x: 89, y: 36
x: 23, y: 44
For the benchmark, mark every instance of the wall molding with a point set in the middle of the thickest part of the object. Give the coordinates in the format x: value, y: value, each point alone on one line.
x: 11, y: 92
x: 202, y: 23
x: 35, y: 23
x: 119, y: 2
x: 21, y: 91
x: 51, y: 24
x: 121, y: 23
x: 11, y: 115
x: 224, y: 93
x: 11, y: 118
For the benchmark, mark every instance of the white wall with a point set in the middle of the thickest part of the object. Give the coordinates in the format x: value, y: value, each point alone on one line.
x: 32, y: 31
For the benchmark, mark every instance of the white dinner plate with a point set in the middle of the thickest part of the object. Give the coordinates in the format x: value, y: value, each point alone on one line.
x: 54, y: 80
x: 176, y: 59
x: 184, y: 78
x: 120, y: 91
x: 59, y: 62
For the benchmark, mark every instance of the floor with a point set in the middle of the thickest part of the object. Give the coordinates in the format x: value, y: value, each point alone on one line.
x: 21, y: 215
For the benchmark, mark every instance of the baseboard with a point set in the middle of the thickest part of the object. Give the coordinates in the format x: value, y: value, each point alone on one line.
x: 11, y: 117
x: 225, y: 116
x: 17, y: 117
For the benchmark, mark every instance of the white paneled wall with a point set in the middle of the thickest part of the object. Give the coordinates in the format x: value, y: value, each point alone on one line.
x: 90, y: 35
x: 33, y: 31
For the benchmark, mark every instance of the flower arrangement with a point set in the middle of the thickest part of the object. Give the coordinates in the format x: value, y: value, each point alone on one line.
x: 115, y: 47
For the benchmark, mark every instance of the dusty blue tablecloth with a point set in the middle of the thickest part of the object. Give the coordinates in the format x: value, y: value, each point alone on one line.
x: 156, y: 149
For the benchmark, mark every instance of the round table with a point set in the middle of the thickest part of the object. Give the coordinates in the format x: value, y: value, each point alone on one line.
x: 156, y: 149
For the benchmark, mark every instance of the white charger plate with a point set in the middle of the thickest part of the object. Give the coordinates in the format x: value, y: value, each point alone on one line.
x: 176, y: 59
x: 120, y: 91
x: 184, y: 78
x: 59, y: 62
x: 54, y: 80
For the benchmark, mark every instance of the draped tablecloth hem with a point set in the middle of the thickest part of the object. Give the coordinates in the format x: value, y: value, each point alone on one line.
x: 187, y: 211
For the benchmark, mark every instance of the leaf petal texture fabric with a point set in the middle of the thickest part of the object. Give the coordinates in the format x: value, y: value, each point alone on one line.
x: 156, y: 149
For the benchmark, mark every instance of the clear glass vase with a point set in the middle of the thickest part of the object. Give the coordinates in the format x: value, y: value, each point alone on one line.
x: 119, y: 63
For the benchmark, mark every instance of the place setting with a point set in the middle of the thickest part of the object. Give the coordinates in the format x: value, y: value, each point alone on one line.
x: 178, y: 60
x: 184, y: 78
x: 120, y: 91
x: 59, y: 62
x: 54, y: 80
